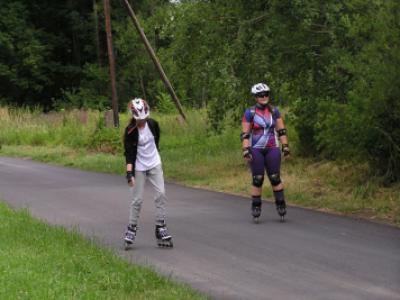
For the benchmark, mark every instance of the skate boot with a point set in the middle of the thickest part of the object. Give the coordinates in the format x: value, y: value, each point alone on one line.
x: 281, y: 209
x: 280, y: 204
x: 164, y: 239
x: 130, y: 236
x: 256, y: 208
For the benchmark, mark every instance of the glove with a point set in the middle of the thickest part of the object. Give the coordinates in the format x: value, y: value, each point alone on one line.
x: 285, y: 150
x: 129, y: 176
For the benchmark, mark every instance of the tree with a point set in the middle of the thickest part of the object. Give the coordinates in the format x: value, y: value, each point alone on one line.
x: 22, y: 57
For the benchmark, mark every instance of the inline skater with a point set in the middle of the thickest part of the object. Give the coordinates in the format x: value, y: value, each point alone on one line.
x: 262, y: 126
x: 143, y: 162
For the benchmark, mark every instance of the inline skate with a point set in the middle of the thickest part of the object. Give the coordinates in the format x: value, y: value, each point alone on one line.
x: 130, y: 236
x: 256, y: 209
x: 164, y: 239
x: 281, y: 209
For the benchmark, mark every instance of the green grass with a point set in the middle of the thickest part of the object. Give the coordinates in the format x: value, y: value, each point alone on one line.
x: 196, y: 156
x: 38, y: 261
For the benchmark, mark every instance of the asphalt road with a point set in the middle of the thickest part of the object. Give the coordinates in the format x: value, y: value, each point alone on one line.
x: 217, y: 248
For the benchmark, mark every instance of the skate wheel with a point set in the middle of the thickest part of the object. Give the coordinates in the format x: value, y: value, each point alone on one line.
x: 256, y: 220
x: 165, y: 244
x: 127, y: 246
x: 282, y: 218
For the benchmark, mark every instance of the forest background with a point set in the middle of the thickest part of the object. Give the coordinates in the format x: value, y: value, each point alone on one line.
x: 333, y: 66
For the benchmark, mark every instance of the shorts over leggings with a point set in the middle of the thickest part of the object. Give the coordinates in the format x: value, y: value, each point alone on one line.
x: 268, y: 159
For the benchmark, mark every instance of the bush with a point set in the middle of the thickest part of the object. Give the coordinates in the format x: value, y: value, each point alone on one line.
x: 165, y: 104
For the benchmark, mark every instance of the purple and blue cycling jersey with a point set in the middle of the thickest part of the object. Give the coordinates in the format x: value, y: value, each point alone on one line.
x: 263, y: 128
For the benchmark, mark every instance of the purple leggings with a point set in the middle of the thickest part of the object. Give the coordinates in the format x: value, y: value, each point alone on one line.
x: 268, y: 159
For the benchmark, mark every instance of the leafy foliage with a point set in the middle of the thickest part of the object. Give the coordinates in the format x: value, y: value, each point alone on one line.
x: 165, y: 104
x: 22, y: 57
x: 334, y: 63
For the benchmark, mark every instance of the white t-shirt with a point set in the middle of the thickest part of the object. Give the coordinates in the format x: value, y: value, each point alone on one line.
x: 147, y: 154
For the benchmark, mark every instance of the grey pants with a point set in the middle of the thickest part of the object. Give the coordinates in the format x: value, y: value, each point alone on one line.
x: 156, y: 178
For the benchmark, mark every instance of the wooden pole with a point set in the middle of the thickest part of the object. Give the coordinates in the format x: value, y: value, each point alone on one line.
x: 155, y: 59
x: 111, y: 59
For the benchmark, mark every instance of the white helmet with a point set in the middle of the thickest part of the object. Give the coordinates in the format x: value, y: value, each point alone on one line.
x: 259, y: 88
x: 139, y: 108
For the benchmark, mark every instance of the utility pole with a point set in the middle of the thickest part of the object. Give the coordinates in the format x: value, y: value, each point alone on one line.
x: 153, y: 56
x: 111, y: 59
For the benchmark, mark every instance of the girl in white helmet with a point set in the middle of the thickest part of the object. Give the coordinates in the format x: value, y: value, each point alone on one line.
x: 262, y: 126
x: 141, y: 142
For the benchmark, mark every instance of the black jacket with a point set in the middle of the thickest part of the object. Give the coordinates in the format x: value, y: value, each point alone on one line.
x: 131, y: 138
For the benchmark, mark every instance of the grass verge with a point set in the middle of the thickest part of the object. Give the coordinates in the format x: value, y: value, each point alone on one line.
x: 38, y: 261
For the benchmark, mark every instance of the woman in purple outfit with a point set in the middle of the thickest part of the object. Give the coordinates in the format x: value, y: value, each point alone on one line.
x: 262, y: 131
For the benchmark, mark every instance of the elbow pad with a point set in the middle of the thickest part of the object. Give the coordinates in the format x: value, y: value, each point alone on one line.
x: 281, y: 132
x: 244, y: 136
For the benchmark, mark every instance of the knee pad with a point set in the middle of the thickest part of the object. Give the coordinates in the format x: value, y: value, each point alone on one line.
x: 275, y: 179
x: 258, y: 180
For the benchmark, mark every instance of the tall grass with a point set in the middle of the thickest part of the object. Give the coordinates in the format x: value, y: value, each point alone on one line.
x: 193, y: 154
x: 75, y: 129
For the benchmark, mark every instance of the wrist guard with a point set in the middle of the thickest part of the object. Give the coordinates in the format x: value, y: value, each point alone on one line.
x: 129, y: 176
x: 285, y: 149
x: 246, y: 152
